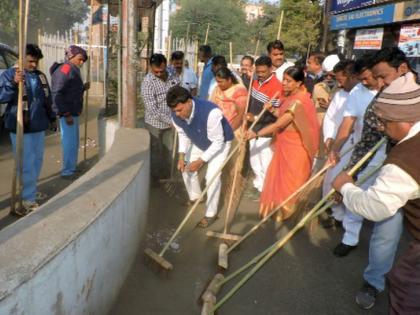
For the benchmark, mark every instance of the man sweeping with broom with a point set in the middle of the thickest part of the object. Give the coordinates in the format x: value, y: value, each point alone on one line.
x: 204, y: 138
x: 396, y: 186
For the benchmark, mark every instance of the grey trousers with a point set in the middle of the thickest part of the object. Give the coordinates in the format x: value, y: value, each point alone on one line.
x: 161, y: 142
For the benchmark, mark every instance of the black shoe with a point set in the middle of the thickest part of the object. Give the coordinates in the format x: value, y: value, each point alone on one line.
x: 366, y: 296
x: 69, y: 177
x: 342, y: 250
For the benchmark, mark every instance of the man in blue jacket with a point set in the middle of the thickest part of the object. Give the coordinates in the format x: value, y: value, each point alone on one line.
x: 205, y: 137
x: 37, y: 117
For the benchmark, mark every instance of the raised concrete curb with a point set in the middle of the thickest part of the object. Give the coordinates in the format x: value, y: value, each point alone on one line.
x: 73, y: 255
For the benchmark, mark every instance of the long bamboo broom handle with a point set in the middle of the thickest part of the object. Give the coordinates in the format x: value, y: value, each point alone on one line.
x: 207, y: 34
x: 301, y: 188
x: 256, y: 49
x: 235, y: 176
x: 191, y: 211
x: 88, y: 80
x: 280, y: 25
x: 174, y: 147
x: 196, y: 57
x: 266, y: 251
x: 289, y: 235
x: 17, y: 169
x: 231, y: 55
x: 185, y: 53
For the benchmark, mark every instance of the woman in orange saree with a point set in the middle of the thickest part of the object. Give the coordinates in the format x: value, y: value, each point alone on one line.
x: 230, y: 96
x: 295, y: 144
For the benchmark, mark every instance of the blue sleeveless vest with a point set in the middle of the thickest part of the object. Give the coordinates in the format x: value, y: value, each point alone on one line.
x: 197, y: 129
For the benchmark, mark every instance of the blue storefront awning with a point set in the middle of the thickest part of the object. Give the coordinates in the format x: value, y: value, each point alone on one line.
x: 362, y: 18
x: 347, y: 5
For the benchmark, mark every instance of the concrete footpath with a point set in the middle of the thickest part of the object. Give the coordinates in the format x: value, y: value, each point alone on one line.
x: 50, y: 182
x: 304, y: 278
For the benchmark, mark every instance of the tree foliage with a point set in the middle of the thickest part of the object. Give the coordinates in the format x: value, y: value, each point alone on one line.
x: 227, y: 23
x: 50, y: 16
x: 301, y: 25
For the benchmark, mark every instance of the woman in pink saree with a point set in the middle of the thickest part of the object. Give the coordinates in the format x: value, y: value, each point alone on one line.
x: 296, y: 140
x: 230, y: 96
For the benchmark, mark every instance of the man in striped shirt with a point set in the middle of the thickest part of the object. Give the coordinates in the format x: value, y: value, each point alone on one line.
x: 157, y: 114
x: 263, y: 90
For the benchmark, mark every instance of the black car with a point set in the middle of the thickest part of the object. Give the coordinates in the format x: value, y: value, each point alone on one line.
x: 8, y: 58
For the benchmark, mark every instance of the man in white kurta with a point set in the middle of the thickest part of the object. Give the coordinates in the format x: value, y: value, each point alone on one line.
x: 351, y: 128
x: 204, y: 138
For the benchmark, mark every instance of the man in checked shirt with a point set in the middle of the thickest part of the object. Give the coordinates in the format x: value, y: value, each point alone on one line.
x: 390, y: 66
x: 154, y: 87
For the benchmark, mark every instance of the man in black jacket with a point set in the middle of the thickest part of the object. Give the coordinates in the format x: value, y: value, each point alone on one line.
x: 67, y: 94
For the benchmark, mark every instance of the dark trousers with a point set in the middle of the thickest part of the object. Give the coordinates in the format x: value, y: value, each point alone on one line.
x: 404, y: 283
x: 161, y: 141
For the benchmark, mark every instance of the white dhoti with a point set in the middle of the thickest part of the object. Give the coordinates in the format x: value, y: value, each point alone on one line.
x: 260, y: 158
x: 192, y: 182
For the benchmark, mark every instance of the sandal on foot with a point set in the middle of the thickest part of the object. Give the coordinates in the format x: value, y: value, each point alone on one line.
x: 206, y: 222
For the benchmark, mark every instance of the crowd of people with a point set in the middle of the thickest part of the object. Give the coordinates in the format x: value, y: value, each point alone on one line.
x: 294, y: 117
x: 327, y: 110
x: 42, y: 105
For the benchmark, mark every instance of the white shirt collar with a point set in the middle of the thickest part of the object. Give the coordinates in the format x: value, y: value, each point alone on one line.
x: 413, y: 131
x: 189, y: 119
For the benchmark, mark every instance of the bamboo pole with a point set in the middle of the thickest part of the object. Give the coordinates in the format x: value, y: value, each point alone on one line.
x: 17, y: 169
x: 280, y: 24
x: 89, y: 53
x: 231, y: 55
x: 308, y: 52
x: 207, y: 34
x: 119, y: 60
x: 196, y: 57
x: 257, y: 47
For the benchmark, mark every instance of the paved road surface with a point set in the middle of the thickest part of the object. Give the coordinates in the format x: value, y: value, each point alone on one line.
x: 303, y: 279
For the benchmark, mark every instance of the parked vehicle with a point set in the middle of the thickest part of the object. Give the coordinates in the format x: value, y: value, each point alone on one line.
x: 8, y: 58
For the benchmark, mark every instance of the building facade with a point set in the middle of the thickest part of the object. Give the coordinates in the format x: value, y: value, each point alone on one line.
x: 369, y: 25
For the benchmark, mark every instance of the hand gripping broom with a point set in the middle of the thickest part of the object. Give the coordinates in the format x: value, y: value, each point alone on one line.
x: 208, y: 298
x: 224, y: 251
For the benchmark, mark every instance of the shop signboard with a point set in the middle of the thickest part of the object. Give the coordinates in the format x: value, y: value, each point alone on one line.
x: 362, y: 18
x: 347, y: 5
x: 369, y: 38
x: 409, y: 41
x: 407, y: 10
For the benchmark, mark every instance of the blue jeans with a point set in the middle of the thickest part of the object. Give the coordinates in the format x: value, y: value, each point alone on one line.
x: 70, y: 145
x: 383, y: 245
x: 33, y: 155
